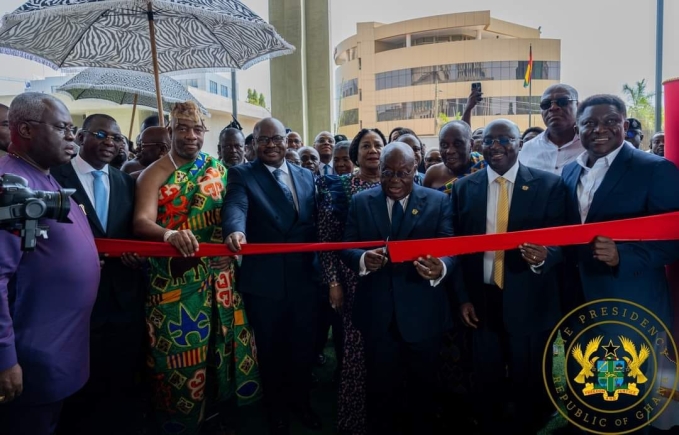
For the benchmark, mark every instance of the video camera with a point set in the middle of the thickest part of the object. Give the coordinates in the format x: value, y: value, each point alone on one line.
x: 21, y: 207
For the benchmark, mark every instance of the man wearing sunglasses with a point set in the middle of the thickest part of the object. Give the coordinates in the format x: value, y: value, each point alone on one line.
x: 106, y: 195
x: 634, y: 133
x: 558, y: 145
x: 510, y: 298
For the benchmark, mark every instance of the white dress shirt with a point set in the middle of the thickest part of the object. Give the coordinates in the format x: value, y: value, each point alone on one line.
x: 591, y: 179
x: 321, y: 168
x: 404, y: 203
x: 491, y: 212
x: 287, y: 179
x: 541, y: 153
x: 84, y: 171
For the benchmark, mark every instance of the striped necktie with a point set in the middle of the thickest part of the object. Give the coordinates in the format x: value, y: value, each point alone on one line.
x: 501, y: 222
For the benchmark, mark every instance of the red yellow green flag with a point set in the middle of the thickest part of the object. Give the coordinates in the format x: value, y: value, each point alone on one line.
x: 529, y: 70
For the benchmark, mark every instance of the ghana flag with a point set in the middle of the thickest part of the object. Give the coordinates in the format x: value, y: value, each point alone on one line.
x: 529, y: 69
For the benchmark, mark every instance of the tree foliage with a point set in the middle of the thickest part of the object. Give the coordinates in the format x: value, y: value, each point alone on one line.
x: 640, y: 104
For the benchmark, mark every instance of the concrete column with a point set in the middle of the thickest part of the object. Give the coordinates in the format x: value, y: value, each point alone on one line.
x: 479, y: 34
x: 408, y: 40
x: 288, y: 72
x: 318, y: 49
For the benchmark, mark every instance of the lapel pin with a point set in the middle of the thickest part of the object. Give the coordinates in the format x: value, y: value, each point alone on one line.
x: 82, y: 207
x: 415, y: 211
x: 524, y: 187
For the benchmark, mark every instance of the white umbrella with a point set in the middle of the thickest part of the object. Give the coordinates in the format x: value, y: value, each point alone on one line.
x: 155, y: 36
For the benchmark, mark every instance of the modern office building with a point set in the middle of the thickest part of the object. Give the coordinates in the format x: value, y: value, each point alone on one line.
x: 409, y: 73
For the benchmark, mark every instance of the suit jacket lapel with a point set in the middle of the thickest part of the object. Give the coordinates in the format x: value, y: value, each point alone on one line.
x: 478, y: 202
x: 272, y: 190
x: 82, y: 199
x: 415, y: 207
x: 522, y: 198
x: 378, y: 207
x: 613, y: 176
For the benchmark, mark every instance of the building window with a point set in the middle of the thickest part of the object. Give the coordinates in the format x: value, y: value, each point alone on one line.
x: 454, y: 107
x: 348, y: 117
x: 359, y: 63
x: 348, y: 88
x: 225, y: 91
x: 466, y: 72
x: 213, y: 87
x: 360, y: 95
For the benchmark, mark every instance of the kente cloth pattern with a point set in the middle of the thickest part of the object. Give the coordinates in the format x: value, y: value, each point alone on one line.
x: 190, y: 34
x: 202, y: 349
x: 334, y: 197
x: 476, y: 163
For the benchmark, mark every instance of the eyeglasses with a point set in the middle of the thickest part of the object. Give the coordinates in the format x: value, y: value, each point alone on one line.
x: 295, y: 141
x: 102, y: 135
x: 264, y: 140
x: 325, y: 141
x: 561, y: 102
x: 504, y: 141
x: 398, y: 174
x: 62, y: 128
x: 309, y: 157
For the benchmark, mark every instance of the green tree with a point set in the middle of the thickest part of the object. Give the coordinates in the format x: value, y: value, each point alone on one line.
x: 249, y: 97
x: 261, y: 101
x: 640, y: 104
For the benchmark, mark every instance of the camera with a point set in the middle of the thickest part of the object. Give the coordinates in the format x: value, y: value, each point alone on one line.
x: 21, y: 207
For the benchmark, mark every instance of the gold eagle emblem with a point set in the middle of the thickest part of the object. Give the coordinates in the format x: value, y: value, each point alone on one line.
x: 584, y: 360
x: 637, y: 360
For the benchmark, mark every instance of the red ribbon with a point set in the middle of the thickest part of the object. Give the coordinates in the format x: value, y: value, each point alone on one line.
x: 650, y: 228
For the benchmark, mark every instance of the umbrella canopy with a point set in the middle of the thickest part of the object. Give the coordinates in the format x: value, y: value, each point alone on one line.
x: 189, y: 34
x: 121, y: 87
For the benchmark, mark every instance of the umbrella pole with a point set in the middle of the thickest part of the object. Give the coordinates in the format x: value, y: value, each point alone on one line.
x: 154, y: 56
x: 134, y: 111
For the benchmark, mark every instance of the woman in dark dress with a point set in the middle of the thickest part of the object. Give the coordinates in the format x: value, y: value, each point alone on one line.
x: 334, y: 193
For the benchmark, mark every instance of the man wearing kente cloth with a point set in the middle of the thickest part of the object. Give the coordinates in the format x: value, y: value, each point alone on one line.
x: 201, y: 347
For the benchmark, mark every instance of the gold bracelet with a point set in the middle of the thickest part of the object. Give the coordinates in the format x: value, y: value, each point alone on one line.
x: 333, y: 285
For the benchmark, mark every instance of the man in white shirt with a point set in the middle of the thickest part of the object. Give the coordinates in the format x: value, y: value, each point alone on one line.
x: 558, y: 145
x: 400, y: 308
x: 325, y: 145
x: 511, y: 297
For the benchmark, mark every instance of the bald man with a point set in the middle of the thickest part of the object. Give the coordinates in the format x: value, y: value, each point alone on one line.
x: 509, y: 298
x: 401, y: 309
x: 273, y: 202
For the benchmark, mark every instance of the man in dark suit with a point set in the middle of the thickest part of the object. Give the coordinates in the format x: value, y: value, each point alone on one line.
x: 106, y: 195
x: 613, y: 180
x: 274, y: 202
x: 400, y: 309
x: 510, y: 298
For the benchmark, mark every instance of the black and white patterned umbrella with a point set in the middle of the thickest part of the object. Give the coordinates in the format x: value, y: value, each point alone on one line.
x: 190, y: 34
x: 154, y: 36
x: 121, y: 87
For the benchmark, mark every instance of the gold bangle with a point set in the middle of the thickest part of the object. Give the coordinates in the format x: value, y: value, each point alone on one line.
x: 333, y: 285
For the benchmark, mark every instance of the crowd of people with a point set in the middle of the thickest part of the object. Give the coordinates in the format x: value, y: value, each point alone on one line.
x: 92, y: 344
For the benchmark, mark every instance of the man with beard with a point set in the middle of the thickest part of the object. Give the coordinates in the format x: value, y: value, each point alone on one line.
x: 154, y: 143
x: 658, y: 144
x: 192, y: 310
x: 274, y: 202
x: 4, y: 129
x: 46, y: 295
x: 558, y: 145
x: 510, y: 297
x: 231, y: 148
x: 325, y: 144
x: 117, y: 323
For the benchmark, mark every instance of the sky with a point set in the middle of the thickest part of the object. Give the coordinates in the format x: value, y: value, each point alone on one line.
x: 604, y: 43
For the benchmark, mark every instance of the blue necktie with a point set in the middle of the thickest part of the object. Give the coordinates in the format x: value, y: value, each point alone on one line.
x: 100, y: 198
x: 397, y: 215
x: 325, y: 169
x: 286, y: 190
